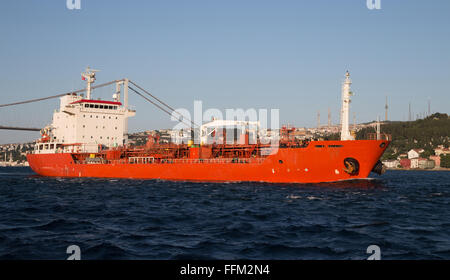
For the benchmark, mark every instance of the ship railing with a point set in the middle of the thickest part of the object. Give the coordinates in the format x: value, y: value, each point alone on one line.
x: 141, y: 160
x: 215, y: 160
x: 151, y: 160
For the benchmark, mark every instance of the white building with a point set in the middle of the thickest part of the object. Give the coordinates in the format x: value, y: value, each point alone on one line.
x: 415, y: 162
x: 391, y: 163
x: 414, y: 153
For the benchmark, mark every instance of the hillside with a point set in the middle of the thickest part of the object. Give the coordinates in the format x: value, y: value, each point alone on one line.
x: 425, y: 133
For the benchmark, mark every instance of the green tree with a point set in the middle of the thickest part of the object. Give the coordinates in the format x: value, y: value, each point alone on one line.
x: 445, y: 161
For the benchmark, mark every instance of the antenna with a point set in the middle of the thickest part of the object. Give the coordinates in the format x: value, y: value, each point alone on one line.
x: 409, y: 116
x: 318, y: 119
x: 378, y: 128
x: 329, y: 118
x: 386, y: 108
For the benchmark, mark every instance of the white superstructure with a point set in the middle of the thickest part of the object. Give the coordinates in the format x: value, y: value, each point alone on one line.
x: 85, y: 125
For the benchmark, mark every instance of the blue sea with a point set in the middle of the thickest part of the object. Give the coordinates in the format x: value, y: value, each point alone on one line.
x: 405, y: 213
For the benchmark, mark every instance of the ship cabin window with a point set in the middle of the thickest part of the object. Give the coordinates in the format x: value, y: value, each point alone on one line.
x: 320, y: 146
x: 101, y: 106
x: 52, y: 146
x: 46, y: 146
x: 86, y: 105
x: 96, y: 106
x: 59, y: 148
x: 41, y: 146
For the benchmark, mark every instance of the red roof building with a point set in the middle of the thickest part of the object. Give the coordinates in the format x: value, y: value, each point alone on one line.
x: 405, y: 163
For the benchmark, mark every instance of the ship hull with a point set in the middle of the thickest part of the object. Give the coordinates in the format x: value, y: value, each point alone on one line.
x: 320, y: 161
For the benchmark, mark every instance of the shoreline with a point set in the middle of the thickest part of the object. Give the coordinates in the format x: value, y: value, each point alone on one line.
x: 418, y: 169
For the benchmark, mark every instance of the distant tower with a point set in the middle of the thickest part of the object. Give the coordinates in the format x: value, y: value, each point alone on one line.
x: 346, y: 93
x: 386, y: 112
x: 318, y: 119
x: 354, y: 121
x: 329, y: 118
x: 429, y: 106
x: 409, y: 116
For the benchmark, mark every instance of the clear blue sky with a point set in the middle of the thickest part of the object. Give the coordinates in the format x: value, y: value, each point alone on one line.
x: 290, y: 55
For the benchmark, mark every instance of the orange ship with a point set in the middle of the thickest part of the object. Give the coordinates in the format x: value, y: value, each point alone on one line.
x: 88, y: 138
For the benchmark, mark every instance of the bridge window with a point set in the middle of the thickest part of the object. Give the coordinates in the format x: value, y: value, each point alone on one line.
x: 96, y: 106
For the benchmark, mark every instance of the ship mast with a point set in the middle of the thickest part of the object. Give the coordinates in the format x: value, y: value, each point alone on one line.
x: 89, y: 77
x: 346, y: 93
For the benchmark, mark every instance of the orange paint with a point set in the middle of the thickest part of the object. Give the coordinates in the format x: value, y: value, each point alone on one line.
x: 320, y: 161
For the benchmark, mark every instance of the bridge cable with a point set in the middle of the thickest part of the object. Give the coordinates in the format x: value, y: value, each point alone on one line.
x: 55, y: 96
x: 160, y: 107
x: 160, y: 101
